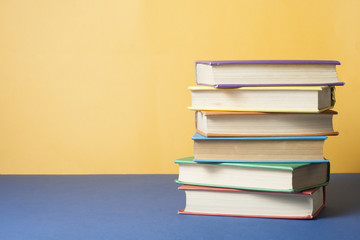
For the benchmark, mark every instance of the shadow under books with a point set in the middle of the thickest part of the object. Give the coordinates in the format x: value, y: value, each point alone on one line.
x: 342, y: 196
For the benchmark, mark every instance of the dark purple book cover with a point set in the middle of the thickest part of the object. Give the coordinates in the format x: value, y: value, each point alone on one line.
x: 271, y: 85
x: 330, y: 62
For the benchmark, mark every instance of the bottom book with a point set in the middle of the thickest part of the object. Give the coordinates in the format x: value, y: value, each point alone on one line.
x: 244, y: 203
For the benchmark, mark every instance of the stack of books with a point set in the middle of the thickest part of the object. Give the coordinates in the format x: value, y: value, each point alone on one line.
x: 260, y: 131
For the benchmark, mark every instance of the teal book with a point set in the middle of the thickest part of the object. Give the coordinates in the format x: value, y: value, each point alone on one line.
x: 273, y: 177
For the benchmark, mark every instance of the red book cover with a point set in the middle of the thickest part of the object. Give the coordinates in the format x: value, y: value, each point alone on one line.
x: 203, y: 188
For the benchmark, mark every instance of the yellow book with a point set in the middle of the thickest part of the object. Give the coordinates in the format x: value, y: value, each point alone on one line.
x: 310, y: 99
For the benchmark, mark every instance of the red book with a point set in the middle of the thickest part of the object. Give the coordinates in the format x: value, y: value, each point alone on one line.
x: 244, y: 203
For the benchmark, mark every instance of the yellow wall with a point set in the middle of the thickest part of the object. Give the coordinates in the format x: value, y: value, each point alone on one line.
x: 100, y: 86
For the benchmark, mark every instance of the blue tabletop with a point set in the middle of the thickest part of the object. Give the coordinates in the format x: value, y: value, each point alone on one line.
x: 145, y: 207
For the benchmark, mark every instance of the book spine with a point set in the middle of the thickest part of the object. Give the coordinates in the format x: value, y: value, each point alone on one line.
x: 270, y: 85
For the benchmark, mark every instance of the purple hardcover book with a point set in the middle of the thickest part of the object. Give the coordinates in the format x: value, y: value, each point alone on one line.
x: 267, y: 62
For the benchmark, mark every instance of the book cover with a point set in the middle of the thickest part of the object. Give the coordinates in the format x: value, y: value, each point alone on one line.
x: 308, y: 192
x: 264, y: 88
x: 237, y: 113
x: 277, y: 166
x: 216, y: 114
x: 220, y: 113
x: 277, y: 88
x: 198, y: 137
x: 272, y: 166
x: 280, y: 62
x: 327, y: 62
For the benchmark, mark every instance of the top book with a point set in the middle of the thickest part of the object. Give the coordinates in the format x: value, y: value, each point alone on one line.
x: 233, y: 74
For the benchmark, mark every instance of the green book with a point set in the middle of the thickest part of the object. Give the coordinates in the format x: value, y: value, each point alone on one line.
x: 274, y: 177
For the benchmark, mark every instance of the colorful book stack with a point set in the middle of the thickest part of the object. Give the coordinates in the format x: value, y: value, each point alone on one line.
x: 260, y: 131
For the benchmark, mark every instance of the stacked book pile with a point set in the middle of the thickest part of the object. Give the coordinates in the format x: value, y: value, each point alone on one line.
x: 260, y: 131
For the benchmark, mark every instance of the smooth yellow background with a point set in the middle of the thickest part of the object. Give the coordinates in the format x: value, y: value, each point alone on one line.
x: 98, y: 87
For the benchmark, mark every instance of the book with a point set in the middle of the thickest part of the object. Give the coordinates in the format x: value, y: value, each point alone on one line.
x: 263, y: 99
x: 230, y: 74
x: 218, y: 123
x: 258, y: 149
x: 245, y: 203
x: 278, y: 177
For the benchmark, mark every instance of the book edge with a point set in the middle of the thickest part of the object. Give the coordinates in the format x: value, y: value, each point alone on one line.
x: 247, y: 164
x: 199, y: 137
x: 227, y: 86
x: 225, y: 188
x: 184, y: 212
x: 265, y: 135
x: 222, y: 113
x: 225, y: 62
x: 264, y: 110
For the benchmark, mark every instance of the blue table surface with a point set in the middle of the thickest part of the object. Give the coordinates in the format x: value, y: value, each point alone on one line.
x: 145, y: 207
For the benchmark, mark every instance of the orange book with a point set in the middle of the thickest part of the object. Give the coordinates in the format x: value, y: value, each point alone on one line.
x: 228, y: 123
